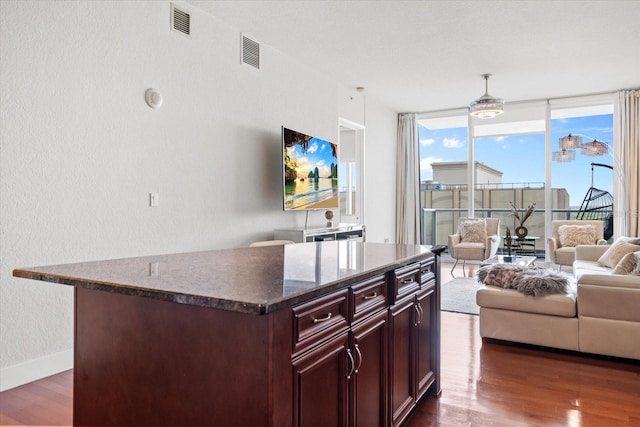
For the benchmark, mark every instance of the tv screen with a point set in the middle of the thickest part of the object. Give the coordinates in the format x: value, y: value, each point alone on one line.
x: 310, y: 172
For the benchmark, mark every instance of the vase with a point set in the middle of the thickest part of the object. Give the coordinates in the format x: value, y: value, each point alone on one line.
x: 521, y: 231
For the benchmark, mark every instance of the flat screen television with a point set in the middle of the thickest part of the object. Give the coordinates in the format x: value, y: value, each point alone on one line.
x: 309, y: 171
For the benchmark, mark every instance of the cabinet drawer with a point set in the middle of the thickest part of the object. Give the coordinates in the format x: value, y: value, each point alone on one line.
x: 319, y: 319
x: 368, y: 297
x: 405, y: 280
x: 427, y: 272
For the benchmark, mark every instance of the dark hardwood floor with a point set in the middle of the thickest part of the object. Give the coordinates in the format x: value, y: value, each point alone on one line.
x: 483, y: 384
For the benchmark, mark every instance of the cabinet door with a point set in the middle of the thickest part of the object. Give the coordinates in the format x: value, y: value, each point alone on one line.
x: 402, y: 328
x: 368, y: 385
x: 320, y: 384
x: 426, y: 301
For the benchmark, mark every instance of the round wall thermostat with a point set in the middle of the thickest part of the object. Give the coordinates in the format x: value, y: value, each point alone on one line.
x: 153, y: 98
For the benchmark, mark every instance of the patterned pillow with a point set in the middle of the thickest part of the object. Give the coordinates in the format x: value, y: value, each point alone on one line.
x: 621, y: 247
x: 629, y: 264
x: 574, y: 235
x: 473, y: 230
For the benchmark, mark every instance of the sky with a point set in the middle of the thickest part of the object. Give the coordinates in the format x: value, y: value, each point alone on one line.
x: 318, y: 154
x: 521, y: 158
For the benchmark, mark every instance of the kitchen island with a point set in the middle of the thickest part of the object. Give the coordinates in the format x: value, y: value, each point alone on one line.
x: 328, y: 333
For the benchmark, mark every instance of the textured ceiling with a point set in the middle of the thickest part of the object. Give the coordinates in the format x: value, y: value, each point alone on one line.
x: 429, y: 55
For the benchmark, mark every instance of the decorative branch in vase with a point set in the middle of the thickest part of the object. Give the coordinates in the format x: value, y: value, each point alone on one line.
x: 521, y: 231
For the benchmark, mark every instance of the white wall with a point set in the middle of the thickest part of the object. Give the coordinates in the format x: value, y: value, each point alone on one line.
x: 81, y: 151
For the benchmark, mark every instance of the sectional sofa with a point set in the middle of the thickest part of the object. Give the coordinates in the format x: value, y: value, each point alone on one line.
x: 599, y: 314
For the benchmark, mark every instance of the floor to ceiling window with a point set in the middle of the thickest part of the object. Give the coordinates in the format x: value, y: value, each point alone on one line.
x: 510, y: 157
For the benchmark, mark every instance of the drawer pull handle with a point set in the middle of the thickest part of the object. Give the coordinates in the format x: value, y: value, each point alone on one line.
x: 370, y: 296
x: 407, y: 281
x: 322, y: 319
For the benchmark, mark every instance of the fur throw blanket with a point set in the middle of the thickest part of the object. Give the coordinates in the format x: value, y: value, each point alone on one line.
x: 534, y: 281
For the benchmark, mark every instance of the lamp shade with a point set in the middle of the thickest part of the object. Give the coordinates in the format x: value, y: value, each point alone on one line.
x: 564, y: 155
x: 570, y: 142
x: 595, y: 148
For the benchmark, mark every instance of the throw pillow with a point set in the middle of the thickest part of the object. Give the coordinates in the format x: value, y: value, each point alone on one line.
x: 627, y: 264
x: 620, y: 248
x: 473, y: 230
x: 574, y: 235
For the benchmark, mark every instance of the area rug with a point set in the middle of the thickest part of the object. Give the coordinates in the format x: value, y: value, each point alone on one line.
x: 459, y: 295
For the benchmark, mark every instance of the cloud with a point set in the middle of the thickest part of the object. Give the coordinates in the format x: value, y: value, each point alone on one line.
x: 426, y: 170
x: 500, y: 138
x: 452, y: 143
x: 427, y: 142
x: 313, y: 148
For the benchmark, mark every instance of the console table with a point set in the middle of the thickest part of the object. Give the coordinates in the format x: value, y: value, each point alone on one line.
x: 315, y: 334
x: 321, y: 234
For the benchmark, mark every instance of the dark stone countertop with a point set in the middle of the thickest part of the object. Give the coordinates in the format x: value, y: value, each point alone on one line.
x: 248, y: 280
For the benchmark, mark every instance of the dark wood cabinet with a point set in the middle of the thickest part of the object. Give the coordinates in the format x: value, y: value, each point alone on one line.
x: 320, y: 385
x: 368, y: 384
x: 342, y: 380
x: 413, y: 322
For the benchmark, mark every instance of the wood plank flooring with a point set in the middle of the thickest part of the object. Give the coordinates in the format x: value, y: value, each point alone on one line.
x: 483, y: 384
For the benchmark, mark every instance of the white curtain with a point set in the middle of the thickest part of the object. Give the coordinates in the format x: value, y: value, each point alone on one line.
x: 407, y: 181
x: 627, y: 152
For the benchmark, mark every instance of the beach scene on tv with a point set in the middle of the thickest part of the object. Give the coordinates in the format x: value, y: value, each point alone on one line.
x: 310, y: 172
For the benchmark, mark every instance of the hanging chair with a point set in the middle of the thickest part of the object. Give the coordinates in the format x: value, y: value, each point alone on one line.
x: 598, y: 204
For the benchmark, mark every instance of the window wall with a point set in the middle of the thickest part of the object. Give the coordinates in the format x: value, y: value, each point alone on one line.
x: 508, y: 160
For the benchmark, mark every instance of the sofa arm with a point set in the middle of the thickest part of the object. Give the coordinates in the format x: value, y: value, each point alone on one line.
x: 590, y: 252
x: 609, y: 302
x: 610, y: 280
x: 552, y: 246
x: 452, y: 240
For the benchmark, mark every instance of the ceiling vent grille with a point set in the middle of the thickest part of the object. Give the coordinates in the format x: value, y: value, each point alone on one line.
x: 250, y: 52
x: 180, y: 21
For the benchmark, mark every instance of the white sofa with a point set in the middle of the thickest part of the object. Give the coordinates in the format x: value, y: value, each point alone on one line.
x: 599, y: 314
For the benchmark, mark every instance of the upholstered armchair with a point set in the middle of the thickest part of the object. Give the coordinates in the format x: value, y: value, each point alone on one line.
x: 476, y: 239
x: 569, y: 233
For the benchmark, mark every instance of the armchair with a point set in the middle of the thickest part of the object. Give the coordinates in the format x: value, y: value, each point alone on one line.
x: 477, y: 239
x: 563, y: 241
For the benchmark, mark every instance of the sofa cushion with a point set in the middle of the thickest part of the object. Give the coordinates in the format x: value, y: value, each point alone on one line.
x: 629, y: 264
x: 565, y: 255
x: 574, y: 235
x: 581, y: 266
x: 563, y: 305
x: 620, y: 248
x: 473, y: 230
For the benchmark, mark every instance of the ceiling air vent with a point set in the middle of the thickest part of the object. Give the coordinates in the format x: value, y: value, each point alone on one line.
x: 250, y: 52
x: 180, y: 21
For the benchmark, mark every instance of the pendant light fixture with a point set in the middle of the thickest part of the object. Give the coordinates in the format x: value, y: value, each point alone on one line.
x: 487, y: 106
